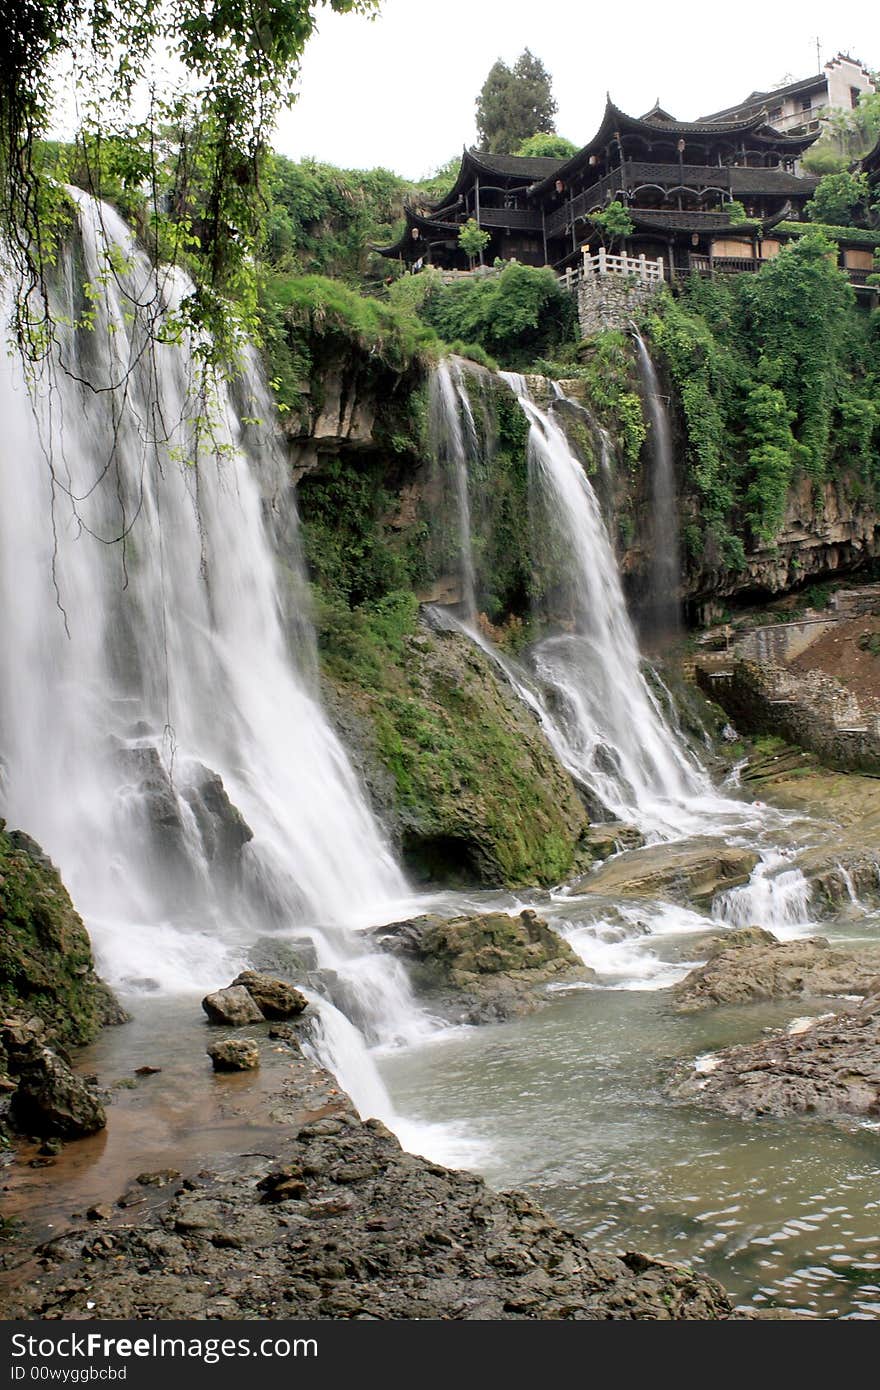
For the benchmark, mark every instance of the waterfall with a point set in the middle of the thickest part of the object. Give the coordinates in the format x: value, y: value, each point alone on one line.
x: 662, y: 608
x: 454, y: 432
x: 608, y: 727
x: 158, y: 729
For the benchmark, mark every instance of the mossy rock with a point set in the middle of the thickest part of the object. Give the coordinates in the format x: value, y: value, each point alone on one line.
x: 475, y: 792
x: 496, y: 942
x: 46, y: 964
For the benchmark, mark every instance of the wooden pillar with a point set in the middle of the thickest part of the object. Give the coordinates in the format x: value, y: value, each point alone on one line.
x: 544, y: 233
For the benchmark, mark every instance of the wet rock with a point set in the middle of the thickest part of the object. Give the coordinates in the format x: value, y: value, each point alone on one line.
x: 605, y: 839
x: 489, y: 966
x: 234, y: 1007
x: 685, y: 872
x: 147, y: 1071
x: 101, y: 1212
x: 160, y: 1178
x: 274, y: 998
x: 349, y: 1225
x: 235, y: 1054
x: 46, y: 965
x: 743, y: 973
x: 52, y: 1101
x: 830, y: 1069
x: 738, y: 937
x: 223, y: 828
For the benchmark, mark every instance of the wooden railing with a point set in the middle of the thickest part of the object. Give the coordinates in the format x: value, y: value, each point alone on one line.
x: 699, y: 177
x: 649, y: 272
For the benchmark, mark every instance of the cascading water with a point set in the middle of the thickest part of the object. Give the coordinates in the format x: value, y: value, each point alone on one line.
x: 454, y: 432
x: 662, y: 610
x: 157, y: 737
x: 608, y: 727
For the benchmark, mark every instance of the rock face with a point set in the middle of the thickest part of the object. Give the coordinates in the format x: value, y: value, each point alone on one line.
x: 340, y: 1224
x: 828, y: 528
x: 489, y: 967
x: 811, y: 709
x: 274, y: 998
x: 235, y: 1054
x: 46, y: 964
x: 683, y: 872
x: 745, y: 973
x: 459, y: 769
x: 831, y: 1069
x: 232, y: 1007
x: 52, y: 1101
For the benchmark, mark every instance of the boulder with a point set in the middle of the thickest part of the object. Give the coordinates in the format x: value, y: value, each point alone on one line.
x: 274, y: 998
x: 52, y: 1101
x: 606, y: 838
x: 743, y: 974
x: 829, y: 1068
x: 46, y: 965
x: 234, y: 1007
x: 685, y: 872
x: 235, y: 1054
x: 492, y: 963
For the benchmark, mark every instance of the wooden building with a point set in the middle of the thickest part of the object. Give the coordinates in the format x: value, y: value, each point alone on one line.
x: 685, y: 185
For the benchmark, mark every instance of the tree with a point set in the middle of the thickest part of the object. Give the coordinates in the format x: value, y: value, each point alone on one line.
x: 473, y: 240
x: 841, y: 200
x: 613, y: 225
x: 514, y: 104
x: 215, y: 73
x: 546, y: 146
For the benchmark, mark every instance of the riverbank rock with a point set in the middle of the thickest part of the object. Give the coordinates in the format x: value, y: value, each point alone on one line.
x: 611, y: 837
x: 337, y: 1221
x: 46, y: 964
x: 489, y: 966
x: 275, y: 999
x: 741, y: 973
x: 53, y: 1102
x: 235, y: 1054
x: 685, y: 872
x: 232, y: 1007
x: 829, y: 1068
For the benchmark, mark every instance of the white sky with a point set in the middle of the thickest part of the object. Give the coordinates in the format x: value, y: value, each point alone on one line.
x: 399, y: 91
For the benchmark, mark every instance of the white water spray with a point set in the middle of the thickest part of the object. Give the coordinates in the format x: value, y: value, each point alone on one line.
x: 158, y: 737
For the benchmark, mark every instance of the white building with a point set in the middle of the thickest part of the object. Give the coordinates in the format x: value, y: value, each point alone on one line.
x: 801, y: 106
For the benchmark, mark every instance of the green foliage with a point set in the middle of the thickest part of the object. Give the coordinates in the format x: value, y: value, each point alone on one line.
x: 842, y: 200
x: 322, y: 219
x: 547, y: 146
x: 614, y: 224
x: 824, y: 158
x: 303, y: 314
x: 515, y: 104
x: 605, y: 364
x: 736, y: 212
x: 774, y: 375
x: 515, y: 316
x: 204, y: 172
x: 473, y: 240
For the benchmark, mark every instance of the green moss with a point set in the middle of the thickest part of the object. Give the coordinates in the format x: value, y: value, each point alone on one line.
x: 476, y: 791
x: 46, y: 964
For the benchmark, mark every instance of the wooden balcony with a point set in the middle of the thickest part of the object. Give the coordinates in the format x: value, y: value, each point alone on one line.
x: 512, y: 219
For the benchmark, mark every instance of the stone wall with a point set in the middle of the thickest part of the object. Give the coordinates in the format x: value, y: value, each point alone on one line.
x: 611, y: 301
x: 812, y: 710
